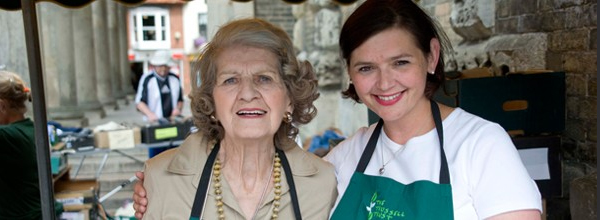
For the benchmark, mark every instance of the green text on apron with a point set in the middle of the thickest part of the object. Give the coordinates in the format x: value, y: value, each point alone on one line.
x: 375, y: 197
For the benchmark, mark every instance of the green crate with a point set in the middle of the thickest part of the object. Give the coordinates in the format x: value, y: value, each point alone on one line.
x: 58, y: 162
x: 544, y: 94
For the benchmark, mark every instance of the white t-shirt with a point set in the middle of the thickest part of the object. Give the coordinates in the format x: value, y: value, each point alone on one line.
x: 149, y: 92
x: 486, y: 173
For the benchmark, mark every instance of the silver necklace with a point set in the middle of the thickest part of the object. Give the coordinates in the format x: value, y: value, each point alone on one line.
x: 382, y: 169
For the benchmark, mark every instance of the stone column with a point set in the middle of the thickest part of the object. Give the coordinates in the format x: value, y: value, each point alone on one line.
x: 58, y: 63
x: 85, y: 68
x: 13, y: 52
x: 123, y: 58
x: 113, y: 51
x: 221, y: 12
x: 104, y: 86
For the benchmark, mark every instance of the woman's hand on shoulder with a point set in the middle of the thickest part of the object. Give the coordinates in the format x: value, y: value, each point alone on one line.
x: 530, y: 214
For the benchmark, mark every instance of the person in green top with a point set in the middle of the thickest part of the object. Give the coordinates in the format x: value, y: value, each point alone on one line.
x: 19, y: 185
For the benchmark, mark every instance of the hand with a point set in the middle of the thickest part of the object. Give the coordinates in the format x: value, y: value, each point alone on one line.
x: 175, y: 112
x: 152, y: 117
x: 139, y: 196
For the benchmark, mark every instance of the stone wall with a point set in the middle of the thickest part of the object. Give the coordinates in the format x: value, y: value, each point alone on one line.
x: 314, y: 27
x: 277, y: 12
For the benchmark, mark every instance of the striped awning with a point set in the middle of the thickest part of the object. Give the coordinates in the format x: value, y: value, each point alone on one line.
x: 342, y: 2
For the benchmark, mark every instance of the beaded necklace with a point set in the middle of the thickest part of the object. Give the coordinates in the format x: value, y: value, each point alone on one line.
x: 276, y: 185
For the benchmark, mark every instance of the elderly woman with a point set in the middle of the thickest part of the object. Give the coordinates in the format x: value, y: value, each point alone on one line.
x: 243, y: 162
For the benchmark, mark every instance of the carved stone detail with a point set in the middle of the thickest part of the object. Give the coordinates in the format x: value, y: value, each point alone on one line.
x: 473, y: 19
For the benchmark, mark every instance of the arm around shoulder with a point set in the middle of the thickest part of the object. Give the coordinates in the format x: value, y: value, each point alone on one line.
x: 530, y: 214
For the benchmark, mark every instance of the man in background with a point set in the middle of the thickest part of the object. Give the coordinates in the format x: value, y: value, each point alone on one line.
x: 159, y: 95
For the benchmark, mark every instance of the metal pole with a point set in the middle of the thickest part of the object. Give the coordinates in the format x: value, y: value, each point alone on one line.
x: 39, y: 108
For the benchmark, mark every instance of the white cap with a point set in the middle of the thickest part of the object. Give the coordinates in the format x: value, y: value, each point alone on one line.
x: 161, y: 57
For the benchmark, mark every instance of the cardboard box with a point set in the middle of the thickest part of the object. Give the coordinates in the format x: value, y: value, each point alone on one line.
x: 76, y: 195
x: 83, y: 214
x: 118, y: 139
x: 529, y: 104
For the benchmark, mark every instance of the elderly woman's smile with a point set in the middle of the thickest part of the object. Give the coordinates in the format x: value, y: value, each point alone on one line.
x: 249, y: 93
x: 251, y: 113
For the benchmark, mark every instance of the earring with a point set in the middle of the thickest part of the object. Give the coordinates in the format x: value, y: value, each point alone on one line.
x: 212, y: 118
x: 431, y: 72
x: 288, y: 117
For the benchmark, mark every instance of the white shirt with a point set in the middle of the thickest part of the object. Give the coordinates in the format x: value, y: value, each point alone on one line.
x: 486, y: 173
x: 149, y: 93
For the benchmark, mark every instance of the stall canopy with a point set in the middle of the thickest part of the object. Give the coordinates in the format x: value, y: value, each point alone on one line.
x: 16, y: 5
x: 37, y: 84
x: 342, y: 2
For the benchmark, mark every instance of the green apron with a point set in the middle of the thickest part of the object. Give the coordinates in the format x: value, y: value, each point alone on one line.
x: 377, y: 197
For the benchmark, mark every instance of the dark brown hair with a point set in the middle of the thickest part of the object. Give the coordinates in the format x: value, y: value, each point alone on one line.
x: 299, y: 79
x: 375, y: 16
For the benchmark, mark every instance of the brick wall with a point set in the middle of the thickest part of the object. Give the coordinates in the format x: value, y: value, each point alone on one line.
x: 176, y: 24
x: 571, y: 28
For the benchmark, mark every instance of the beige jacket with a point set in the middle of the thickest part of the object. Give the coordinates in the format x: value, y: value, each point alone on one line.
x: 171, y: 179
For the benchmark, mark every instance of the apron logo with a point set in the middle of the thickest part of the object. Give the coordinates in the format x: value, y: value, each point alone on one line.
x: 377, y: 210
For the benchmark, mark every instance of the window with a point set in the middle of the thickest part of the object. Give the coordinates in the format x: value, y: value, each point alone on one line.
x: 202, y: 23
x: 150, y: 28
x: 202, y: 31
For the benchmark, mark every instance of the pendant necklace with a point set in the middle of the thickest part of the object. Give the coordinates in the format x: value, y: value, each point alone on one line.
x: 382, y: 169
